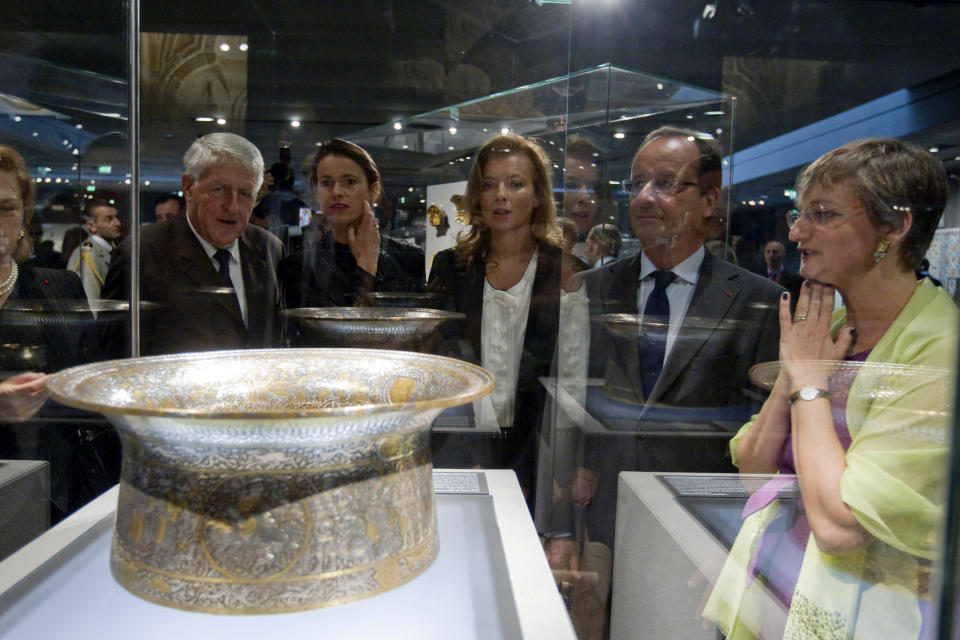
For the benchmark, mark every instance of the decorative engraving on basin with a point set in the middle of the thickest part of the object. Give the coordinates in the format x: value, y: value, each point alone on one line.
x: 234, y: 502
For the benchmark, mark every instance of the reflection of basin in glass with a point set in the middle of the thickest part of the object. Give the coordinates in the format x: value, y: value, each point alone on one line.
x: 881, y: 380
x: 370, y: 327
x: 273, y: 480
x: 411, y: 300
x: 628, y: 326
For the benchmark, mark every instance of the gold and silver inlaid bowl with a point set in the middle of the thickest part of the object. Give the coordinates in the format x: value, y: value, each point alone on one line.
x: 272, y: 480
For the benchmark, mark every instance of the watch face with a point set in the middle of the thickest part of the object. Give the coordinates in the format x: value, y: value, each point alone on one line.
x: 808, y: 393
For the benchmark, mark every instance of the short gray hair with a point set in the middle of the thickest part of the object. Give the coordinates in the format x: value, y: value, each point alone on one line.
x: 887, y: 175
x: 216, y: 148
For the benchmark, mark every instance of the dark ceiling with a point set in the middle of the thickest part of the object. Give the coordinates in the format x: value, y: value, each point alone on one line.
x: 340, y: 67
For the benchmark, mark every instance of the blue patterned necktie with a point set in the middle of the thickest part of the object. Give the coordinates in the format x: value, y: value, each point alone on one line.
x: 656, y: 323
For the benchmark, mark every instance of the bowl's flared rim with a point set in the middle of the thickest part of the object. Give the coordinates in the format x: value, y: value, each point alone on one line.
x: 62, y: 386
x: 410, y: 315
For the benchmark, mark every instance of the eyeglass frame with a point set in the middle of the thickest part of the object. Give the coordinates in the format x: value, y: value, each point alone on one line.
x: 627, y: 186
x: 820, y: 218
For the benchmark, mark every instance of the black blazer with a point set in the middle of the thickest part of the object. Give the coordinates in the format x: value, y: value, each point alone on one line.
x: 193, y: 313
x: 314, y: 278
x: 731, y: 324
x: 463, y: 291
x: 61, y: 331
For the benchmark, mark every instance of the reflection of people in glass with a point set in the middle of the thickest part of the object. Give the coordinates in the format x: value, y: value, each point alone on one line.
x: 42, y: 330
x: 505, y: 275
x: 869, y: 465
x: 603, y: 245
x: 582, y: 188
x: 352, y: 259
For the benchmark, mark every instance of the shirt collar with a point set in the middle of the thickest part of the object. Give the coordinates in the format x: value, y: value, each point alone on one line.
x: 688, y: 271
x: 232, y: 248
x: 104, y: 244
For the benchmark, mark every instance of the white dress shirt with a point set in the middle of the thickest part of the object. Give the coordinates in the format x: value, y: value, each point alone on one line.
x: 679, y: 293
x: 236, y: 273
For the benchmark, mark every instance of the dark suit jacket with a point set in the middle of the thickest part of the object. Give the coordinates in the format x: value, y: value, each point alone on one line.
x: 463, y: 292
x: 47, y: 311
x: 60, y: 329
x: 194, y: 312
x: 731, y: 324
x: 314, y: 278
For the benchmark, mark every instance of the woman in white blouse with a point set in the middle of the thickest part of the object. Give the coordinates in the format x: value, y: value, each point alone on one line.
x: 506, y: 274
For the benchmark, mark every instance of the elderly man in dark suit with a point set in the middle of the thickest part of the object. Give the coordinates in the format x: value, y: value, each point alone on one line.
x: 212, y: 275
x: 699, y: 324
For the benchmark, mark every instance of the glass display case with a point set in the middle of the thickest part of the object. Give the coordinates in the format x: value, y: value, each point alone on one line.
x: 102, y: 100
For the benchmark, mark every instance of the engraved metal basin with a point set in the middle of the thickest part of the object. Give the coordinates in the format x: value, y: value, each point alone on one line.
x: 410, y: 329
x: 272, y: 480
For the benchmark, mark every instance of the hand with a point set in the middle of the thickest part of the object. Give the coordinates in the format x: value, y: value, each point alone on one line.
x: 22, y: 395
x: 583, y: 487
x: 806, y: 335
x: 563, y: 554
x: 364, y: 239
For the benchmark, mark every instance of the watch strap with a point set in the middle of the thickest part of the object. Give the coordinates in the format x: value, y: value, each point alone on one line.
x: 808, y: 393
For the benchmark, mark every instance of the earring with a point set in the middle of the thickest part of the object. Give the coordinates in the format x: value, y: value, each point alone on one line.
x: 21, y: 234
x: 881, y: 251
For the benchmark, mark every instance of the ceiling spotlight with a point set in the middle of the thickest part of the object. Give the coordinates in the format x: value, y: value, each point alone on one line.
x: 660, y: 86
x: 244, y: 46
x: 35, y: 134
x: 453, y: 131
x: 221, y: 121
x: 397, y: 126
x: 933, y: 149
x: 294, y: 123
x: 619, y: 135
x: 224, y: 47
x: 406, y: 146
x: 146, y: 183
x: 689, y: 116
x: 17, y: 118
x: 450, y: 148
x: 79, y: 126
x: 504, y: 131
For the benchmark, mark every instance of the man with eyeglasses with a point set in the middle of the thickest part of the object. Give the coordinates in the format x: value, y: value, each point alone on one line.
x: 702, y: 324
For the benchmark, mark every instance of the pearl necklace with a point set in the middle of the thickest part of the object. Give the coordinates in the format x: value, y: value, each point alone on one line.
x: 7, y: 285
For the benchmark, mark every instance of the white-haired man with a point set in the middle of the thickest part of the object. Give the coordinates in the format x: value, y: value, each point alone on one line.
x: 212, y: 275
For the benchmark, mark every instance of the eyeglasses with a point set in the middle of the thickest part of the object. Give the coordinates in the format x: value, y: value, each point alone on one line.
x: 818, y: 216
x: 664, y: 186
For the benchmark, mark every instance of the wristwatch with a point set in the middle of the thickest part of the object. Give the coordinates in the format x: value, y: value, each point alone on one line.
x: 808, y: 392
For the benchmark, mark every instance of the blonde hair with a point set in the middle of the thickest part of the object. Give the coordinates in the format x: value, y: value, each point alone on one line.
x: 543, y: 222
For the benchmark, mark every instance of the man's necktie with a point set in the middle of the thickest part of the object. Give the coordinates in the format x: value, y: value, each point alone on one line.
x: 656, y: 322
x: 222, y: 256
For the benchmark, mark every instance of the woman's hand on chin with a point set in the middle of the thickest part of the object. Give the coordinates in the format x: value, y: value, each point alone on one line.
x: 364, y: 239
x: 805, y: 336
x: 22, y: 395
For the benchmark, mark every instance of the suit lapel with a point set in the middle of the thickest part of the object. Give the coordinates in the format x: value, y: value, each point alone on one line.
x: 254, y: 269
x: 717, y: 289
x: 198, y: 269
x: 621, y: 297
